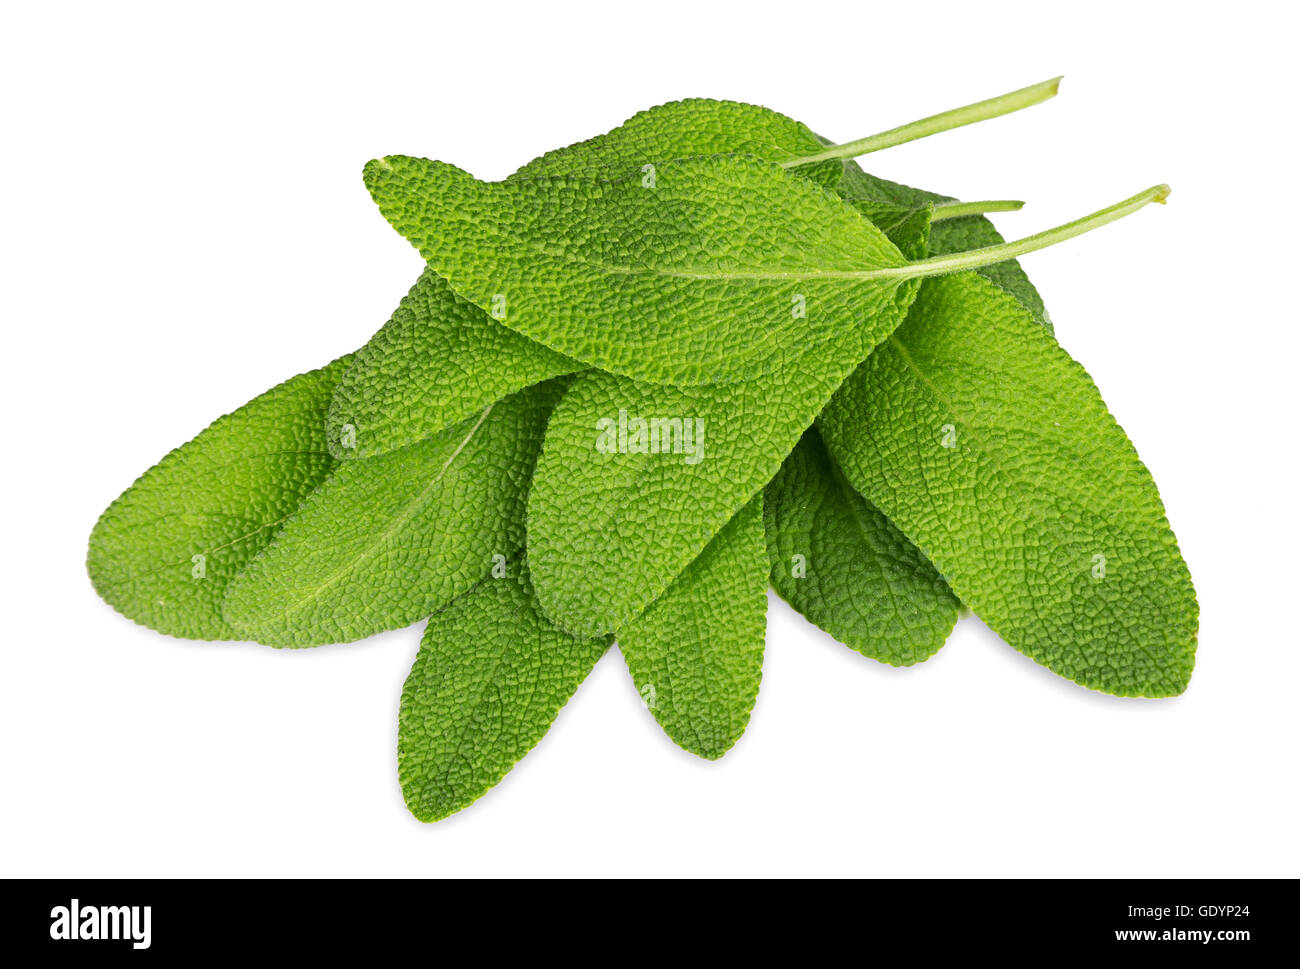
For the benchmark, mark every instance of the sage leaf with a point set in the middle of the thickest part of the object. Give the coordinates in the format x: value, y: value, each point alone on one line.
x: 675, y: 283
x: 846, y: 568
x: 992, y: 450
x: 699, y: 126
x: 387, y: 540
x: 593, y: 518
x: 491, y: 676
x: 164, y: 552
x: 696, y: 654
x: 947, y: 236
x: 437, y: 362
x: 614, y: 515
x: 682, y: 129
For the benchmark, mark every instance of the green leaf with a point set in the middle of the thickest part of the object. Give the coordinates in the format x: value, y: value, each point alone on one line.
x: 700, y: 126
x: 948, y: 236
x: 389, y: 539
x: 975, y: 433
x: 682, y: 129
x: 696, y: 655
x: 163, y: 553
x: 977, y: 232
x: 440, y: 359
x: 490, y: 677
x: 437, y: 362
x: 611, y: 525
x: 842, y: 564
x: 675, y: 281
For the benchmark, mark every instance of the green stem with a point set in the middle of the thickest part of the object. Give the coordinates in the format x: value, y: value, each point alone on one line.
x: 955, y: 210
x: 975, y: 258
x: 980, y: 111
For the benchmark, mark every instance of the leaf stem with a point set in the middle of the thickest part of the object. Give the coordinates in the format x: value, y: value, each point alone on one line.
x: 975, y: 258
x: 955, y: 210
x: 980, y: 111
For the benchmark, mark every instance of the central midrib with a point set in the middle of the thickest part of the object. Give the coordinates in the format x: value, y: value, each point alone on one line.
x: 394, y: 526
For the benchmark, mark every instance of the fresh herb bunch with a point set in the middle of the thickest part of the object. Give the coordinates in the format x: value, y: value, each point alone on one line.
x: 640, y: 380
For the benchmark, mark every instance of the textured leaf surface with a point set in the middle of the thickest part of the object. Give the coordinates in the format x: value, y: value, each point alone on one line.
x: 438, y: 361
x: 907, y: 228
x: 164, y: 552
x: 441, y: 359
x: 609, y: 530
x: 1039, y: 514
x: 843, y: 565
x: 490, y: 677
x: 681, y: 129
x: 696, y: 655
x: 694, y: 280
x: 948, y: 236
x: 389, y: 539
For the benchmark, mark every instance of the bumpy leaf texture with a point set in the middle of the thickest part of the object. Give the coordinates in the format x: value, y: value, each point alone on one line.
x: 726, y: 268
x: 948, y: 236
x: 438, y: 361
x: 611, y: 523
x: 992, y: 450
x: 696, y: 655
x: 610, y: 530
x: 491, y: 676
x: 164, y: 552
x: 682, y: 129
x: 844, y: 566
x: 387, y: 540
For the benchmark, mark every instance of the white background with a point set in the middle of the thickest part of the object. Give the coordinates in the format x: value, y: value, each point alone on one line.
x: 184, y: 225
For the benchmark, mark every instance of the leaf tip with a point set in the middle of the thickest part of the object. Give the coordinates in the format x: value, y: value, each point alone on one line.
x: 375, y: 169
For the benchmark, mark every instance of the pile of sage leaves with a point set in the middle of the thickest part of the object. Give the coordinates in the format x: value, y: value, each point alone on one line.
x: 640, y: 380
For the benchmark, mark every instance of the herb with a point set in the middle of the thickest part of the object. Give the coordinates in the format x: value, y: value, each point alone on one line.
x: 696, y: 654
x: 609, y: 530
x: 1033, y: 503
x: 960, y: 231
x: 588, y: 268
x: 842, y: 564
x: 385, y: 541
x: 699, y: 126
x: 640, y: 378
x: 600, y: 545
x: 163, y: 553
x: 491, y: 675
x: 438, y: 361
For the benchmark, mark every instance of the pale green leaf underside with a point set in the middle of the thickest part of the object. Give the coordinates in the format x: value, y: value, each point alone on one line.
x: 437, y: 362
x: 676, y: 283
x: 696, y: 655
x: 387, y: 540
x: 846, y: 568
x: 164, y: 552
x: 1040, y: 515
x: 490, y: 677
